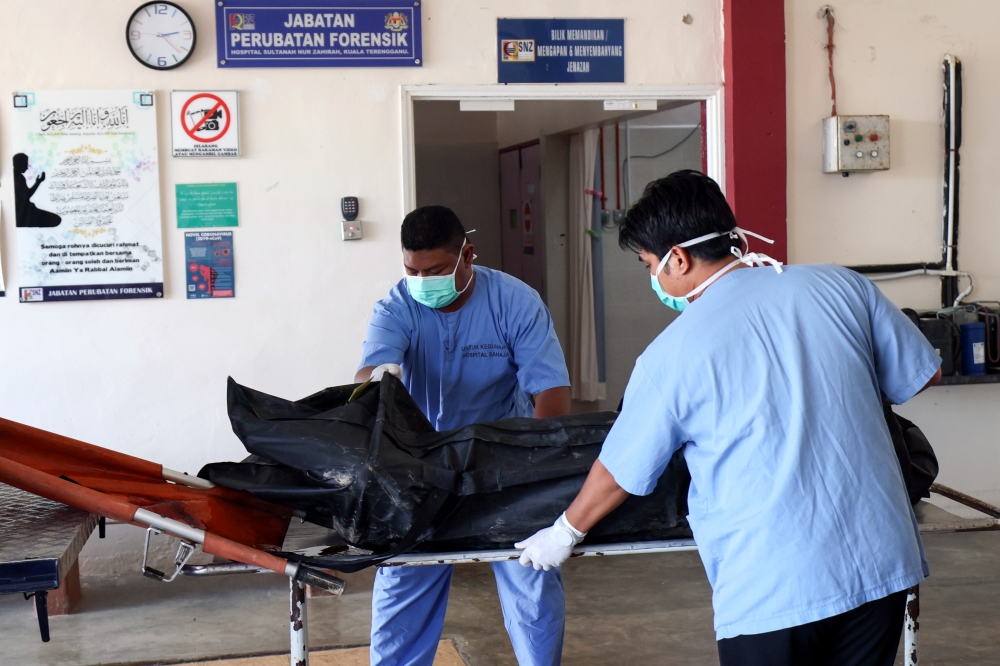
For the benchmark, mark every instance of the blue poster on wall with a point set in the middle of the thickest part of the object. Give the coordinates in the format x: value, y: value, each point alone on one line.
x: 561, y: 50
x: 318, y: 33
x: 209, y: 256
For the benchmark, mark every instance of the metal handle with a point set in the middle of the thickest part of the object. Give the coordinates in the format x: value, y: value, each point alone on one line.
x: 184, y: 551
x: 155, y: 574
x: 321, y: 580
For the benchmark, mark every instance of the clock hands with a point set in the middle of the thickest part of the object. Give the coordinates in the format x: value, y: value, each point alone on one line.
x: 161, y: 34
x: 168, y: 41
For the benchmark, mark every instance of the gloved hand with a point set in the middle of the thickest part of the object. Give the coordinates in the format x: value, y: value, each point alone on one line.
x: 391, y: 368
x: 550, y: 547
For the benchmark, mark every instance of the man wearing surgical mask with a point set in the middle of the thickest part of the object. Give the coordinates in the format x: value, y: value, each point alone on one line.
x: 472, y: 345
x: 771, y: 383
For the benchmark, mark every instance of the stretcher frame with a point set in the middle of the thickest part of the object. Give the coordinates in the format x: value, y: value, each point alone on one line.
x: 240, y: 558
x: 932, y: 520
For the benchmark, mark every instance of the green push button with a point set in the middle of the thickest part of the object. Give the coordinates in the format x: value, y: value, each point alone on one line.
x: 859, y: 138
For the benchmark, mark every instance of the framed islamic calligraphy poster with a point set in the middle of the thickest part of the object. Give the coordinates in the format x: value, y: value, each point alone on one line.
x: 86, y: 195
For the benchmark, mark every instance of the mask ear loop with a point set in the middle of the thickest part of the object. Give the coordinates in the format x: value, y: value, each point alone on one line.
x: 464, y: 243
x: 742, y: 235
x: 752, y: 258
x: 470, y: 231
x: 663, y: 262
x: 742, y: 254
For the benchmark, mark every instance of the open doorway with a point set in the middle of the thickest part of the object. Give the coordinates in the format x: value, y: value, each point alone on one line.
x: 542, y: 185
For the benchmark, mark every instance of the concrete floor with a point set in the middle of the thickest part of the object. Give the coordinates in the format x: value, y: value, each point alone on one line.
x: 647, y: 609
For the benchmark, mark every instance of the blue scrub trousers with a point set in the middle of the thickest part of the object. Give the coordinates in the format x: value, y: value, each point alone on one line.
x: 408, y: 606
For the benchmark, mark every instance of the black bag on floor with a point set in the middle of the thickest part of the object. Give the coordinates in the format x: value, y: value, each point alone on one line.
x: 378, y: 473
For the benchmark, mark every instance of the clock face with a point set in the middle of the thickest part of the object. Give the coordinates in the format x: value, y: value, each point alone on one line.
x: 161, y: 35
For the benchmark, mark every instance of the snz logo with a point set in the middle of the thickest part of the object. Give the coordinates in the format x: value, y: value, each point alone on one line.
x: 32, y: 294
x: 517, y: 50
x: 241, y: 21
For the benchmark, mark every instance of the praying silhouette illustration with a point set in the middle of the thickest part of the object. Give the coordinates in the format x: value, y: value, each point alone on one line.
x: 28, y: 214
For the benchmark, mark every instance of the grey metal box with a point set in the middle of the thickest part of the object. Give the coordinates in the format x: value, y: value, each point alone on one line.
x: 855, y: 143
x: 350, y: 230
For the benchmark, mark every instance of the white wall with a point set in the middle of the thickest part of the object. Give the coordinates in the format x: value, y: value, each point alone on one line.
x: 148, y: 377
x: 555, y: 209
x: 633, y: 315
x: 888, y: 61
x: 458, y: 166
x: 676, y: 129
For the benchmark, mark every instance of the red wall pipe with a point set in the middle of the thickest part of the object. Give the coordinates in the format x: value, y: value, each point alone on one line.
x: 756, y: 151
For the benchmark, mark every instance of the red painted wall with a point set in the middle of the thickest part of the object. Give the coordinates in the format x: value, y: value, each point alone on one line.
x: 756, y: 167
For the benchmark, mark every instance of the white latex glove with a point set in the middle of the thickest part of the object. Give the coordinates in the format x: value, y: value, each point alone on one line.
x: 550, y: 547
x: 391, y: 368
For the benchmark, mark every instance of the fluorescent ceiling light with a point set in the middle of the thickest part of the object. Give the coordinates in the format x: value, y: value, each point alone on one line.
x: 630, y: 105
x: 486, y: 105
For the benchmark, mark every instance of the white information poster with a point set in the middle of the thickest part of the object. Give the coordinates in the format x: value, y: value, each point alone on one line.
x: 87, y: 195
x: 205, y: 123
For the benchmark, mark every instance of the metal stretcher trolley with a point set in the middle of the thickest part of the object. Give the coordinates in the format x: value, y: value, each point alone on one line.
x: 40, y: 539
x: 311, y: 540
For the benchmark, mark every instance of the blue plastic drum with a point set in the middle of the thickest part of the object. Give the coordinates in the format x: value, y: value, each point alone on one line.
x: 974, y: 349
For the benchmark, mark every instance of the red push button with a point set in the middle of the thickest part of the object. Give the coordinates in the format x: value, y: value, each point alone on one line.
x: 874, y: 137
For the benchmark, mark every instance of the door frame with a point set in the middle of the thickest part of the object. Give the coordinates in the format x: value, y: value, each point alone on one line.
x: 712, y: 95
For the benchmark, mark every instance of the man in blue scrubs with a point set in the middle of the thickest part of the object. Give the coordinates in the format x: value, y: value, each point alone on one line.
x: 772, y: 382
x: 471, y: 345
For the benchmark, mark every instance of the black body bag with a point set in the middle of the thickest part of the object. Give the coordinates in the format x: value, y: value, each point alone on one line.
x: 379, y: 474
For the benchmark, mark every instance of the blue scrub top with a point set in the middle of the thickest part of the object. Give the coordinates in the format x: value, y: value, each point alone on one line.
x: 772, y: 384
x: 478, y: 364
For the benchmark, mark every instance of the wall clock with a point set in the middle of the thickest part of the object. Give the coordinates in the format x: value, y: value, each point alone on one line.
x: 160, y: 35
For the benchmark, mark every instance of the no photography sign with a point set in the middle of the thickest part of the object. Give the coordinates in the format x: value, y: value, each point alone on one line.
x: 205, y: 123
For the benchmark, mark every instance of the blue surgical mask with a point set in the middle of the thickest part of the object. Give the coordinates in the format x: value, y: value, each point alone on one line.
x: 436, y: 291
x: 679, y: 303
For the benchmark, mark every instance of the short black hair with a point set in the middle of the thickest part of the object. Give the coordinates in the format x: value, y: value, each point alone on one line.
x: 430, y: 228
x: 678, y: 208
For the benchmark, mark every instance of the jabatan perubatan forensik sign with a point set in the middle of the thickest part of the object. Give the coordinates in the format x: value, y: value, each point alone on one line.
x: 318, y: 33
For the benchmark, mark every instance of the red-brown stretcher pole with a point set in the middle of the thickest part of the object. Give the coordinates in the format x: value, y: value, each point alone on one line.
x: 59, y: 490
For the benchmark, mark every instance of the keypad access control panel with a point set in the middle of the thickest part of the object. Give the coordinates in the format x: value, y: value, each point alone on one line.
x: 350, y: 227
x: 855, y: 143
x: 349, y: 208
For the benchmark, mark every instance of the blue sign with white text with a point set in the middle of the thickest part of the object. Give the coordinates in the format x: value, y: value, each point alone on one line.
x: 318, y: 33
x: 561, y: 50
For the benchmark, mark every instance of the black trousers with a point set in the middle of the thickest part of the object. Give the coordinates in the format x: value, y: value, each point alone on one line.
x: 865, y: 636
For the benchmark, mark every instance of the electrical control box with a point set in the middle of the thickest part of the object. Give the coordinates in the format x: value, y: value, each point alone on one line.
x: 855, y: 143
x: 350, y: 230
